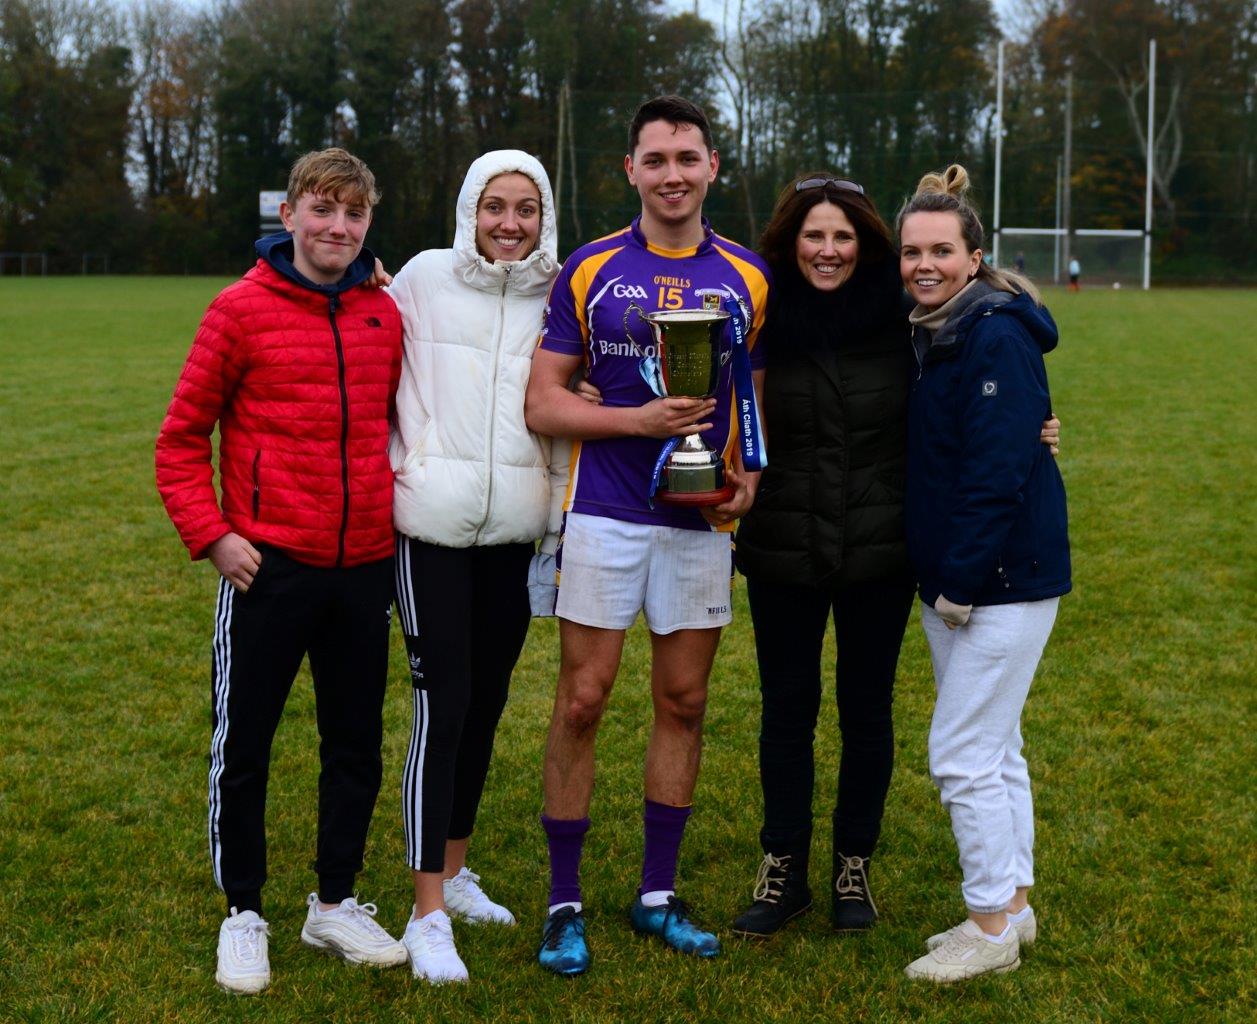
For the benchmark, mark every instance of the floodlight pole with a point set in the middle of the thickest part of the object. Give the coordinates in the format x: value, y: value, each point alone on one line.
x: 1152, y: 100
x: 999, y: 145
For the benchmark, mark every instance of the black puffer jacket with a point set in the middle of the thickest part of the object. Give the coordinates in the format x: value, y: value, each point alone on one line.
x: 830, y: 506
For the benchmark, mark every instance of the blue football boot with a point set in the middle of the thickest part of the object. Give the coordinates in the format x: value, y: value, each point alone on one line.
x: 672, y: 923
x: 563, y: 948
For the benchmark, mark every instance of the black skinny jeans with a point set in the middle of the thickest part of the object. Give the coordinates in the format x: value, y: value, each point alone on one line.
x: 789, y: 623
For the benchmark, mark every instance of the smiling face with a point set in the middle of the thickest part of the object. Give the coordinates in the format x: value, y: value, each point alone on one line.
x: 934, y: 260
x: 671, y: 169
x: 327, y: 234
x: 508, y: 217
x: 827, y: 247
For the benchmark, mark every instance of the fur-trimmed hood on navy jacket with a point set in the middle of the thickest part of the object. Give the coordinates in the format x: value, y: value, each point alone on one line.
x: 986, y: 505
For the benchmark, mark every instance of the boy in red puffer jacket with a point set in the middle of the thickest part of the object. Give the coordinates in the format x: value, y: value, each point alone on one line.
x: 297, y: 364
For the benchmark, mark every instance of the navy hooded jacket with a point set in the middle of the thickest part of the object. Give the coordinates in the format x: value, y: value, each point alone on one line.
x: 985, y: 503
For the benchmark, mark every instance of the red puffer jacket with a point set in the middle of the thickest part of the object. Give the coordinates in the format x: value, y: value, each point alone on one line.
x: 301, y: 382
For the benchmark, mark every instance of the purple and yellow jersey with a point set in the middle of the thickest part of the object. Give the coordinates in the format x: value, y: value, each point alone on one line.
x: 585, y: 317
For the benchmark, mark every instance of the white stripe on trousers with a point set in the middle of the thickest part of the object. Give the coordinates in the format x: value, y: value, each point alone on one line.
x: 405, y: 588
x: 412, y: 774
x: 412, y: 782
x: 222, y: 686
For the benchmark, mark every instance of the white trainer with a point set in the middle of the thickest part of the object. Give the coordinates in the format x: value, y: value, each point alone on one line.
x: 430, y: 943
x: 1027, y: 932
x: 967, y: 953
x: 350, y: 931
x: 466, y: 900
x: 243, y: 964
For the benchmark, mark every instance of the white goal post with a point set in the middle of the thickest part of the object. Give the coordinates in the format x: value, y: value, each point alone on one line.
x: 24, y: 263
x: 1108, y: 255
x: 1103, y: 248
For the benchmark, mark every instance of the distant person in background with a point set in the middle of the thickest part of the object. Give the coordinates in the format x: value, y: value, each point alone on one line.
x: 297, y: 365
x: 1075, y: 272
x: 987, y: 535
x: 1020, y: 263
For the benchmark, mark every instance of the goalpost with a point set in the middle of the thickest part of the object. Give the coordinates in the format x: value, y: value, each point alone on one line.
x: 25, y: 263
x: 1105, y: 254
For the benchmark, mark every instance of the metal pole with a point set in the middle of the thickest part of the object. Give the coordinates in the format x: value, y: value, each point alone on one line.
x: 558, y: 160
x: 999, y: 144
x: 1152, y: 100
x: 1056, y: 239
x: 1069, y: 155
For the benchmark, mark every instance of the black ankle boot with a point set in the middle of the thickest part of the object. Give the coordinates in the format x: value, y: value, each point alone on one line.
x: 851, y: 905
x: 781, y: 894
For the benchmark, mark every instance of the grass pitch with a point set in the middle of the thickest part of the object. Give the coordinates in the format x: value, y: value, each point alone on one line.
x: 1138, y: 729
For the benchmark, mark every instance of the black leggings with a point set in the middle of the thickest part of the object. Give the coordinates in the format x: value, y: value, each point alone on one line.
x: 464, y: 613
x: 789, y: 626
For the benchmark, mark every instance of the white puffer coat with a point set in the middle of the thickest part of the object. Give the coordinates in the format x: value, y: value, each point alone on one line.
x: 468, y: 471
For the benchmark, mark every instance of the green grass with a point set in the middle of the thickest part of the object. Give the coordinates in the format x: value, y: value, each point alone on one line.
x: 1139, y: 728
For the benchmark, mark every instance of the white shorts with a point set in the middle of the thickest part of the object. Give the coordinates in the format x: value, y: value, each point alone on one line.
x: 609, y: 570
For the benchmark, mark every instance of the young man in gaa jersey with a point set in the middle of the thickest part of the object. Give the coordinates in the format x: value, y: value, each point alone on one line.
x: 619, y: 555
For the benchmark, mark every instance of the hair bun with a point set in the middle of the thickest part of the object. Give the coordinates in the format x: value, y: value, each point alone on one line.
x: 952, y: 182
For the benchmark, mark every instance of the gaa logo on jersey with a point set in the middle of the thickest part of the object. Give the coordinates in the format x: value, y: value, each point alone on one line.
x: 629, y: 291
x: 990, y: 388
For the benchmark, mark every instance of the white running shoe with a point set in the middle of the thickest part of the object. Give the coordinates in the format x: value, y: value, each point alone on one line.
x: 967, y: 953
x: 466, y: 900
x: 430, y: 943
x: 1027, y: 932
x: 350, y: 931
x: 243, y: 965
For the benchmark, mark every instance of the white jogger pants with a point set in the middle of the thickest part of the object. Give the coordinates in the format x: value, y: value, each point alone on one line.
x: 982, y: 674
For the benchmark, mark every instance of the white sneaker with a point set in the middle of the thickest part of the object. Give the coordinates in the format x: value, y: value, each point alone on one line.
x: 430, y: 943
x: 350, y: 931
x: 466, y: 900
x: 967, y: 953
x: 243, y: 965
x: 1027, y: 932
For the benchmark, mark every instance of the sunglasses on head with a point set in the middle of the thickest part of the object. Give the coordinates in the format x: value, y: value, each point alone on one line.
x: 842, y: 183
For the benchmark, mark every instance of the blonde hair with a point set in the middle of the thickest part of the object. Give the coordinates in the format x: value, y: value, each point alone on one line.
x: 946, y: 192
x: 335, y: 173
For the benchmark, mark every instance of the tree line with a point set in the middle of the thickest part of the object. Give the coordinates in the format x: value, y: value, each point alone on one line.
x: 142, y: 130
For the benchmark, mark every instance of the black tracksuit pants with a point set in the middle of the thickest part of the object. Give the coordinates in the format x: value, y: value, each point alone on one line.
x: 464, y: 613
x: 789, y: 624
x: 340, y: 618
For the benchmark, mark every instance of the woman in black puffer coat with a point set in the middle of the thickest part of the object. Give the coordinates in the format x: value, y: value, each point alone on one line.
x: 826, y: 535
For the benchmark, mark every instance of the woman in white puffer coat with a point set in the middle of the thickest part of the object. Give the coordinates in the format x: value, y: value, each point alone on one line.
x: 472, y: 495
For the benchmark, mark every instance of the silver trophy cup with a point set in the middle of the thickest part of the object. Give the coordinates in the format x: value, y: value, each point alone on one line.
x: 690, y: 347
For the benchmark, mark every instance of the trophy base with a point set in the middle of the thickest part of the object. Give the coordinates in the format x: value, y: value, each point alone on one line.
x: 695, y: 479
x: 697, y: 499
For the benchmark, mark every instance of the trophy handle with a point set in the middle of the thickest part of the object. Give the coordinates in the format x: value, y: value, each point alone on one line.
x: 632, y: 306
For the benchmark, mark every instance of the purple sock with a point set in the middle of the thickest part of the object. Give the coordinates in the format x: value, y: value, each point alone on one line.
x: 565, y: 837
x: 664, y: 826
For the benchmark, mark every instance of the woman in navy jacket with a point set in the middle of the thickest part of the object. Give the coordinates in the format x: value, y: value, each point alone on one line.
x: 986, y: 523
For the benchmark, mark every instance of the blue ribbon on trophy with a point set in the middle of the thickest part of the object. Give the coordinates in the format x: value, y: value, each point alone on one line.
x: 750, y: 425
x: 669, y: 446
